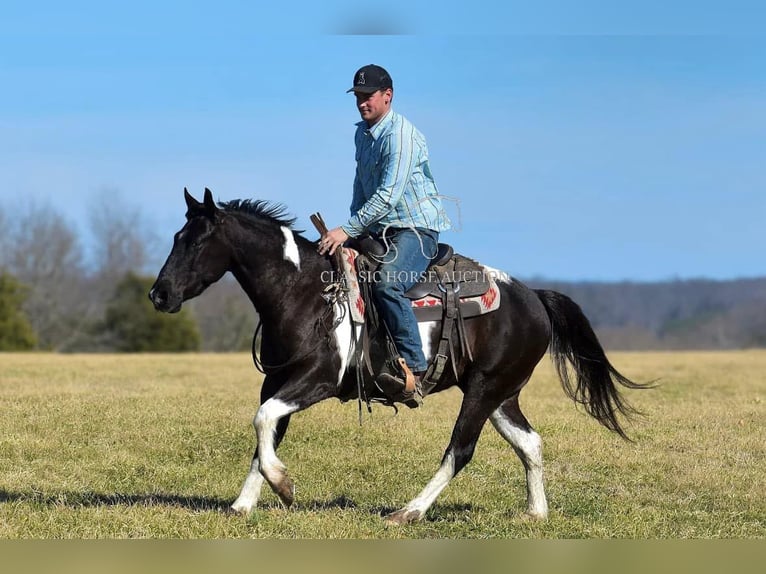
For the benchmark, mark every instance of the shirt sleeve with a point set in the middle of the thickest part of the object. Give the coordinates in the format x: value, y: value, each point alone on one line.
x: 398, y: 160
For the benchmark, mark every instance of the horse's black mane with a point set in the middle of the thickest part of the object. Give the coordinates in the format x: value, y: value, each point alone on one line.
x: 260, y: 209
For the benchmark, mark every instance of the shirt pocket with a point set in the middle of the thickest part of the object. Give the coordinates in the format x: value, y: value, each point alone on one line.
x: 376, y: 159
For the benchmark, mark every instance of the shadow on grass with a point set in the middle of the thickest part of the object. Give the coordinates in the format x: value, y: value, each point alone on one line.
x: 93, y: 499
x: 86, y: 499
x: 89, y: 499
x: 437, y: 513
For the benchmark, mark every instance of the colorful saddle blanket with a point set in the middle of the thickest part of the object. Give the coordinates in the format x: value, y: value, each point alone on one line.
x: 483, y: 295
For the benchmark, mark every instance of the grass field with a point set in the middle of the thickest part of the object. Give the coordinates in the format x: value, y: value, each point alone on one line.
x: 117, y: 446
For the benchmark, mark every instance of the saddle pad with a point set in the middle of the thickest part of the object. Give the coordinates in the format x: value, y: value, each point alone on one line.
x: 429, y: 308
x: 426, y: 308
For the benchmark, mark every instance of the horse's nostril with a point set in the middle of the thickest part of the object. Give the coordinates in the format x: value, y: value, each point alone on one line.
x: 158, y: 297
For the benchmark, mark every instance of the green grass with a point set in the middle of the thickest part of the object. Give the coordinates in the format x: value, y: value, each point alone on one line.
x: 118, y: 446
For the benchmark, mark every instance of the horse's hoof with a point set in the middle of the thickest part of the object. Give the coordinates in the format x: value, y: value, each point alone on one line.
x: 239, y: 510
x: 286, y: 491
x: 403, y: 516
x: 533, y: 516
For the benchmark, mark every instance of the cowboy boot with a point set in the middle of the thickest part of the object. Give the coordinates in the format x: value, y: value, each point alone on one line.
x: 404, y: 389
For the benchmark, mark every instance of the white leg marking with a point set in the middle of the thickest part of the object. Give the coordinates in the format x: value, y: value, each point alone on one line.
x: 251, y: 490
x: 265, y: 424
x: 425, y: 328
x: 423, y: 501
x: 529, y: 448
x: 291, y: 248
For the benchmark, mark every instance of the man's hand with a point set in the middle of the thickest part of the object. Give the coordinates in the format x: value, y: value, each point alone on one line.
x: 332, y: 240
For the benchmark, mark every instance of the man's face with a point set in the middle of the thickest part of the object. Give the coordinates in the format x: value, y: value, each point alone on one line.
x: 373, y: 106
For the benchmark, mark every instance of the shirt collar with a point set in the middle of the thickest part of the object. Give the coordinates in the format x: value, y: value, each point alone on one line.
x: 380, y: 128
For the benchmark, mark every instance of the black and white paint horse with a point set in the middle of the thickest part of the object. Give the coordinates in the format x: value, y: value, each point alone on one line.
x: 281, y: 272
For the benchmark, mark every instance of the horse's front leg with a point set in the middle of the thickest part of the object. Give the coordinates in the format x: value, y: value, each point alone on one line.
x: 279, y: 399
x: 251, y: 488
x: 271, y: 468
x: 270, y: 424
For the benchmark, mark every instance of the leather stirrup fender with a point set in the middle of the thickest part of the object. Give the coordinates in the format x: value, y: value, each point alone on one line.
x: 409, y: 377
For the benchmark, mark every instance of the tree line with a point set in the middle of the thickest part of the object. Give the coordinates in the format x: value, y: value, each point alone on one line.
x: 673, y: 315
x: 55, y: 296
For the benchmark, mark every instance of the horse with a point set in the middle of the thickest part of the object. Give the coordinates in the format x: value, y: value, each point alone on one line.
x: 308, y: 346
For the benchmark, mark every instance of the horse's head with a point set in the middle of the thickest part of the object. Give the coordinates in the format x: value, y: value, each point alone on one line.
x: 200, y: 256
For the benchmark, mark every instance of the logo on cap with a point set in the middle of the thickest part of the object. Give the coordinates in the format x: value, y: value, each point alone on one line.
x: 371, y: 78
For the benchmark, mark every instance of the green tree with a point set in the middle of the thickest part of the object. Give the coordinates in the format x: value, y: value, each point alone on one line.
x: 132, y: 325
x: 16, y: 333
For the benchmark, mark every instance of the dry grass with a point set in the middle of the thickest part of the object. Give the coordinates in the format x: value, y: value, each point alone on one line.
x: 115, y: 446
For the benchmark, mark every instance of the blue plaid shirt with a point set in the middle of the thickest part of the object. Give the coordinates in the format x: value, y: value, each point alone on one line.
x: 393, y: 185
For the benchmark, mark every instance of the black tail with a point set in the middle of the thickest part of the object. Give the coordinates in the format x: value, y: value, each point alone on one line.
x: 573, y: 341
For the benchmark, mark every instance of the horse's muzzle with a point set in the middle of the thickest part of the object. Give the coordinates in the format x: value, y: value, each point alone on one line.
x: 161, y: 301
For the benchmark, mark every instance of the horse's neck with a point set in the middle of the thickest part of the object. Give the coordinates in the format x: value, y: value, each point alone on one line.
x: 276, y: 284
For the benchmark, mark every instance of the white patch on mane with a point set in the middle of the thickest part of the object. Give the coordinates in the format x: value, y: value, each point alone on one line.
x: 291, y: 248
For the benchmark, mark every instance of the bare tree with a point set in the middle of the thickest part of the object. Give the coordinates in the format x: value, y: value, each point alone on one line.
x: 120, y: 237
x: 225, y: 316
x: 44, y: 253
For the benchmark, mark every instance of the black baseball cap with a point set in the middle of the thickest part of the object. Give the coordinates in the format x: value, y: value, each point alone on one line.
x: 371, y: 78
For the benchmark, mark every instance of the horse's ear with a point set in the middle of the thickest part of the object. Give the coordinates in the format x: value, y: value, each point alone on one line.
x: 191, y: 203
x: 210, y: 207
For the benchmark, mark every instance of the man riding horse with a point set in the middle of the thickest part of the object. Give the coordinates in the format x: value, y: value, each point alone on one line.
x: 309, y: 346
x: 395, y: 198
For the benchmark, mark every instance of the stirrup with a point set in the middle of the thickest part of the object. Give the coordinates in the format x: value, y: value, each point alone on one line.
x: 396, y: 391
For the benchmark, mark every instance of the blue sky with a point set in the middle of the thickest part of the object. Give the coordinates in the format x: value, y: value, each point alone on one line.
x: 595, y: 143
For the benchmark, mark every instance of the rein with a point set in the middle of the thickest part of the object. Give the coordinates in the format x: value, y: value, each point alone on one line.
x: 299, y: 356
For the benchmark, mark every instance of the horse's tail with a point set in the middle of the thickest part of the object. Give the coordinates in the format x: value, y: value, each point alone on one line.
x: 573, y: 341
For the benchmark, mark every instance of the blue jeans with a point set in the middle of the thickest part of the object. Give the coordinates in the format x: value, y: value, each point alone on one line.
x: 410, y: 252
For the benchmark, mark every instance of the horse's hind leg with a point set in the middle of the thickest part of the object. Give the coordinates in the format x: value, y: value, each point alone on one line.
x: 473, y: 415
x: 417, y: 507
x: 509, y: 421
x: 251, y: 489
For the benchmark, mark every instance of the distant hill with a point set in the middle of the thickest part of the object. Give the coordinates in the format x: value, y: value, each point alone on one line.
x: 694, y: 314
x: 689, y: 314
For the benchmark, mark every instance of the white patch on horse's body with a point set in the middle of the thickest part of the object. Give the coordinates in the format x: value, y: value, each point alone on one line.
x: 529, y: 448
x: 346, y: 333
x: 496, y: 274
x: 426, y: 328
x: 291, y: 248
